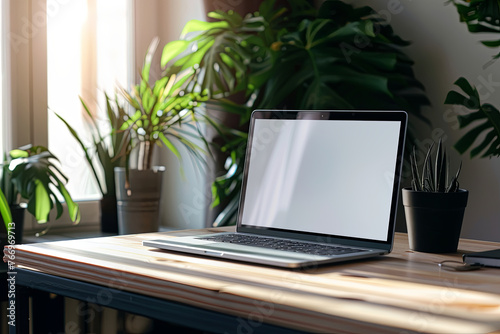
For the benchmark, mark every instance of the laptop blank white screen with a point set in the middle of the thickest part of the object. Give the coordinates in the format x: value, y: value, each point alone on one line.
x: 332, y: 177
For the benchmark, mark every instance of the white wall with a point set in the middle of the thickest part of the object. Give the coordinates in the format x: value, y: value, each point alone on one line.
x: 443, y: 50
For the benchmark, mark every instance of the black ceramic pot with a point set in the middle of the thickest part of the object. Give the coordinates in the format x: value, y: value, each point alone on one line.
x: 434, y: 220
x: 109, y: 214
x: 17, y: 212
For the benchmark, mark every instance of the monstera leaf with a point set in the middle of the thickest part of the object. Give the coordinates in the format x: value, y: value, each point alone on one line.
x: 483, y: 122
x: 41, y: 183
x: 217, y: 53
x: 481, y: 16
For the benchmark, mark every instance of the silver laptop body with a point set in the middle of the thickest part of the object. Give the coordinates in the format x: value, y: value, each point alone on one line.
x: 321, y: 178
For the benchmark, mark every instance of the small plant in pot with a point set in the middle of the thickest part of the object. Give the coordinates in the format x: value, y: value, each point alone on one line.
x: 434, y: 205
x: 30, y: 180
x: 161, y: 114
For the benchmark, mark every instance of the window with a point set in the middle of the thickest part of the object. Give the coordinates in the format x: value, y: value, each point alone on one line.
x: 117, y: 33
x: 88, y: 53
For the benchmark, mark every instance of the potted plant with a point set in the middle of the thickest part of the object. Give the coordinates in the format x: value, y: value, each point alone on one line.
x: 29, y: 175
x: 434, y: 205
x: 293, y: 57
x: 161, y: 114
x: 103, y: 156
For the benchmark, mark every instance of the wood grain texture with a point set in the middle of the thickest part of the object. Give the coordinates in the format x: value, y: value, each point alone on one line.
x: 402, y: 291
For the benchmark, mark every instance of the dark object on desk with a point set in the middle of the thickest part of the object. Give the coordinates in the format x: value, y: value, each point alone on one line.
x: 459, y: 266
x: 489, y: 258
x: 109, y: 214
x: 434, y: 220
x: 434, y: 207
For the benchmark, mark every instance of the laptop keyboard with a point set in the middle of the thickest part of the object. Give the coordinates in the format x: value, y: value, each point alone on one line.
x: 283, y: 244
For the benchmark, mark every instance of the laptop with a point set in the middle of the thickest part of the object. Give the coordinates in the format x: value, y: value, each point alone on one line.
x: 318, y: 187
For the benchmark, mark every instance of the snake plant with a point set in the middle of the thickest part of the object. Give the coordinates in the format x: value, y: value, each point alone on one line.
x: 434, y: 176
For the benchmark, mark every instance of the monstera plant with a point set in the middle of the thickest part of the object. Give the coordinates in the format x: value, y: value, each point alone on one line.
x: 483, y: 120
x: 481, y: 16
x: 292, y: 57
x: 30, y: 179
x: 30, y: 173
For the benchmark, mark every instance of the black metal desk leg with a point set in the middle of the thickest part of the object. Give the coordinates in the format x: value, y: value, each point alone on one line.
x: 47, y: 312
x: 19, y: 309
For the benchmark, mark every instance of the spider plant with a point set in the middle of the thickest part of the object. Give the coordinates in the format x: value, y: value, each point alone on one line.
x: 434, y: 176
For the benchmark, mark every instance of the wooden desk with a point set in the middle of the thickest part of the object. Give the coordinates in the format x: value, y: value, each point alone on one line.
x: 401, y: 292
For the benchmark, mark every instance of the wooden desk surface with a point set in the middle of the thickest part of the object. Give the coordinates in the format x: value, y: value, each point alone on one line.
x: 402, y: 291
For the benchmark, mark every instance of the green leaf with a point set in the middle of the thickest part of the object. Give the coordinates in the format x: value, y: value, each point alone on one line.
x: 416, y: 185
x: 169, y: 145
x: 91, y: 117
x: 15, y: 154
x: 464, y: 143
x: 427, y: 173
x: 454, y: 185
x: 459, y: 99
x: 493, y: 150
x: 172, y: 50
x: 197, y: 25
x: 84, y: 148
x: 42, y: 203
x: 466, y: 120
x: 442, y: 169
x: 486, y: 112
x: 73, y: 208
x: 491, y: 44
x: 5, y: 211
x: 488, y: 139
x: 467, y: 87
